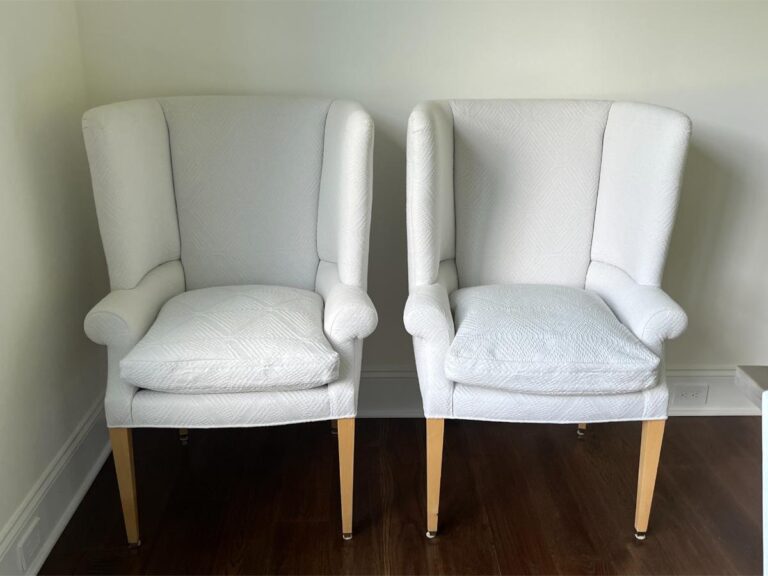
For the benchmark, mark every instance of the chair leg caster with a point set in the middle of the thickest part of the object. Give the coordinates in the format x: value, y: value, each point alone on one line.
x: 184, y: 436
x: 579, y: 433
x: 346, y: 536
x: 431, y: 535
x: 640, y: 535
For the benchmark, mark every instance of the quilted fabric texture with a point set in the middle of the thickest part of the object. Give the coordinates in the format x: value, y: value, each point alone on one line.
x: 161, y: 410
x: 235, y: 339
x: 429, y: 202
x: 344, y: 206
x: 349, y: 314
x: 542, y: 192
x: 646, y: 310
x: 525, y: 182
x: 643, y: 157
x: 546, y: 340
x: 197, y: 192
x: 246, y: 172
x: 128, y: 153
x: 494, y: 404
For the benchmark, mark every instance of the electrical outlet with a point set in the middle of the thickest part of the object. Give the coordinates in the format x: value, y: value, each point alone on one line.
x: 691, y: 395
x: 29, y: 544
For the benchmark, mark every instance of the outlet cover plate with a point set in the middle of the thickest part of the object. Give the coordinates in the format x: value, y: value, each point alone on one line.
x: 691, y: 395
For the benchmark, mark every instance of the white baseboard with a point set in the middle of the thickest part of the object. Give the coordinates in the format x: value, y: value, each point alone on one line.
x: 724, y: 398
x: 55, y: 496
x: 394, y: 393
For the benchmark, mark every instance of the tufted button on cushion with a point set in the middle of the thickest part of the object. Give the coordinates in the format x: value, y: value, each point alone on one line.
x: 235, y: 339
x: 549, y: 340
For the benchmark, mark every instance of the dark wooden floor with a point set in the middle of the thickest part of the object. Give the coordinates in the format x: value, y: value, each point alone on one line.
x: 516, y: 499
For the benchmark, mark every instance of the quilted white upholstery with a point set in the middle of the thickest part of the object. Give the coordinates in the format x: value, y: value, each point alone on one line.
x: 494, y: 404
x: 270, y: 191
x: 428, y: 314
x: 430, y: 213
x: 234, y: 339
x: 246, y: 172
x: 429, y: 320
x: 646, y: 310
x: 129, y: 156
x: 525, y: 185
x: 549, y: 340
x: 643, y: 157
x: 559, y: 193
x: 344, y: 222
x: 244, y: 409
x: 124, y: 316
x: 349, y: 313
x: 120, y: 320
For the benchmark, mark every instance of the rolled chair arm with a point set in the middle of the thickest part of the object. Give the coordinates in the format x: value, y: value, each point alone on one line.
x: 349, y: 314
x: 428, y: 314
x: 123, y: 316
x: 646, y: 310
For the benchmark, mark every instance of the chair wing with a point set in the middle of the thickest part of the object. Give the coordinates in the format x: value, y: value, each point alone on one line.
x: 429, y: 203
x: 344, y: 212
x: 129, y: 157
x: 644, y: 152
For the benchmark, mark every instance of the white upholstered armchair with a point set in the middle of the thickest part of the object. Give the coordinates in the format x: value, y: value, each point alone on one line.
x: 236, y: 235
x: 537, y: 235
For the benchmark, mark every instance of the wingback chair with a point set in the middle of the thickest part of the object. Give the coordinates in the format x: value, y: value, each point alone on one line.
x: 537, y: 235
x: 236, y: 236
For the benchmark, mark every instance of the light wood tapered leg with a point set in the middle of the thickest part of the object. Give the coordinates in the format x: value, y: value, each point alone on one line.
x: 581, y: 430
x: 122, y: 452
x: 346, y: 434
x: 650, y: 451
x: 435, y: 433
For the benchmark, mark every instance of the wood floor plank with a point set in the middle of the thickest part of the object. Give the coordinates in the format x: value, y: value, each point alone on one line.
x: 515, y: 499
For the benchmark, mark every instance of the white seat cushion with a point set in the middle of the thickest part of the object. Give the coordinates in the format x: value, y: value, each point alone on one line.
x: 235, y: 339
x: 540, y: 339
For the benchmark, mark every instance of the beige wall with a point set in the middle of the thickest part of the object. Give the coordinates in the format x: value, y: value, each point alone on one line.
x: 50, y: 257
x: 706, y: 59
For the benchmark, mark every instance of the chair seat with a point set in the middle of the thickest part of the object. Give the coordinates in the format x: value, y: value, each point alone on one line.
x: 548, y: 340
x: 235, y: 339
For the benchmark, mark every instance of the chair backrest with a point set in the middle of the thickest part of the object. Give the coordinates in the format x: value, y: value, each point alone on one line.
x: 543, y: 187
x: 228, y: 184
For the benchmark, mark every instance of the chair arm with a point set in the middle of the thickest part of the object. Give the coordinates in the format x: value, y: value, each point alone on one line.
x: 646, y: 310
x: 349, y: 314
x: 428, y: 314
x: 123, y: 316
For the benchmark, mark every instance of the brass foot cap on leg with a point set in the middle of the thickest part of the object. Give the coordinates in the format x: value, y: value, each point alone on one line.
x: 347, y: 535
x: 431, y: 535
x: 640, y: 535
